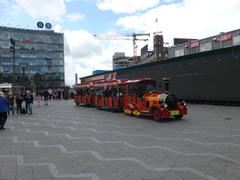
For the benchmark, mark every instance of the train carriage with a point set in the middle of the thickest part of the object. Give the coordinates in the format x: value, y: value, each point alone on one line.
x: 109, y: 95
x: 83, y: 96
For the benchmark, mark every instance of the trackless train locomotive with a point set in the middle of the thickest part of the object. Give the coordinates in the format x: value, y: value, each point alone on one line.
x: 137, y: 97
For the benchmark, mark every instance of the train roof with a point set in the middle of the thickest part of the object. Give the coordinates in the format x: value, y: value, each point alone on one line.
x: 101, y: 83
x: 139, y: 80
x: 110, y: 82
x: 86, y: 84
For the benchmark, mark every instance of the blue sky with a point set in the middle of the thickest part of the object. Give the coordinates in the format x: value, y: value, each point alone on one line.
x: 79, y: 20
x: 94, y: 19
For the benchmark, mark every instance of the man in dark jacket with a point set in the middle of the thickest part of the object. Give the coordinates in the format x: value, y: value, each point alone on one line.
x: 29, y: 102
x: 3, y: 110
x: 19, y: 100
x: 45, y: 96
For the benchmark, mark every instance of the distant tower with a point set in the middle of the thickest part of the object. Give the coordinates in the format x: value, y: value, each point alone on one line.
x: 158, y: 47
x: 76, y: 78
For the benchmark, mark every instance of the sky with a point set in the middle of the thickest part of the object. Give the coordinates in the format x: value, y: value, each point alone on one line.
x: 81, y: 20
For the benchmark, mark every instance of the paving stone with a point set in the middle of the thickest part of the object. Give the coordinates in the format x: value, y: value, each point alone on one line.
x: 65, y: 142
x: 25, y: 172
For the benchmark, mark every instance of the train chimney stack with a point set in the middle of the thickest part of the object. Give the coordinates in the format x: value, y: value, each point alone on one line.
x: 166, y: 83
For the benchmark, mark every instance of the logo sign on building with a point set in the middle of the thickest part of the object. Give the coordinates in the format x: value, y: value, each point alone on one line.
x: 182, y: 40
x: 225, y: 37
x: 48, y: 26
x: 194, y: 44
x: 40, y: 24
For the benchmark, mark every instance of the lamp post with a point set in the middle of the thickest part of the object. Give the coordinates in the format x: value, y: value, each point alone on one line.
x: 1, y: 67
x: 13, y: 50
x: 23, y: 66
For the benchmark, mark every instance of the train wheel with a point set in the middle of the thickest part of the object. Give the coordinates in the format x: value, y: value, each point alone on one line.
x: 178, y: 117
x: 156, y: 115
x: 77, y: 104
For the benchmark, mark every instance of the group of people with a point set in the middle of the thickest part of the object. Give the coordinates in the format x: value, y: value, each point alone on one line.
x: 7, y: 105
x: 48, y: 94
x: 19, y: 99
x: 14, y: 104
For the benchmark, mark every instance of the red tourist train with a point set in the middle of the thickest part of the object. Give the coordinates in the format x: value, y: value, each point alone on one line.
x: 137, y: 97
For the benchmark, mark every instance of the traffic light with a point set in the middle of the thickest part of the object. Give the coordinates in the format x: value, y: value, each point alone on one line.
x: 13, y: 43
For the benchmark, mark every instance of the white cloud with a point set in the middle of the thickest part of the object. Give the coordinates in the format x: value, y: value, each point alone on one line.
x: 187, y: 19
x: 84, y: 53
x: 53, y: 9
x: 82, y: 44
x: 58, y: 28
x: 75, y: 17
x: 123, y: 6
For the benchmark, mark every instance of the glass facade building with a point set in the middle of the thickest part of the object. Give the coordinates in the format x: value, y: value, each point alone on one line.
x: 36, y: 60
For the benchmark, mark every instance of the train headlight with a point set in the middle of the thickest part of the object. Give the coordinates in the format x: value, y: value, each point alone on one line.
x: 184, y: 103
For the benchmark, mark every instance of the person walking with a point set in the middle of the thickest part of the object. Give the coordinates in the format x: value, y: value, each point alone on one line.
x: 4, y: 107
x: 45, y: 97
x: 24, y: 100
x: 10, y: 98
x: 50, y: 92
x: 29, y: 102
x: 39, y: 97
x: 19, y: 100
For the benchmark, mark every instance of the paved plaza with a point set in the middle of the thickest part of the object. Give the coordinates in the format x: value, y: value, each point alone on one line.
x: 67, y: 142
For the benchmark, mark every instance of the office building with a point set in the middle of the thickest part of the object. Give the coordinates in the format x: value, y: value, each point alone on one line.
x: 32, y: 58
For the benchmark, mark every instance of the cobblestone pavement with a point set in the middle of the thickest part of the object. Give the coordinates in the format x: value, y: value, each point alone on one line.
x: 63, y: 141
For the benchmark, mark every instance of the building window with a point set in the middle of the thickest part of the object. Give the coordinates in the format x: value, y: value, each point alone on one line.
x: 236, y: 40
x: 226, y: 43
x: 195, y: 50
x: 179, y: 52
x: 206, y: 46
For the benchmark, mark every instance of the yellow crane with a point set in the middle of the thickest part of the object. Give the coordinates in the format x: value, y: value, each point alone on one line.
x: 125, y: 37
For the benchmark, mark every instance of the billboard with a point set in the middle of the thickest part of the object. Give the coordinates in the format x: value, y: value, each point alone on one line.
x: 177, y: 41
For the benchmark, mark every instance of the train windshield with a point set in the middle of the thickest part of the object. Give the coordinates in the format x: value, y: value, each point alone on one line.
x: 145, y: 87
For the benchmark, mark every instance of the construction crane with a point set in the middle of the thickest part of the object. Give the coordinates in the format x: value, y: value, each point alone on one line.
x: 125, y: 37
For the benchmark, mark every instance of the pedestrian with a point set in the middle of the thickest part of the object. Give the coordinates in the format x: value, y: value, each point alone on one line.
x: 24, y: 99
x: 10, y: 99
x: 45, y: 97
x: 39, y: 97
x: 29, y: 102
x: 59, y: 93
x: 4, y: 107
x: 19, y: 100
x: 50, y: 92
x: 55, y: 94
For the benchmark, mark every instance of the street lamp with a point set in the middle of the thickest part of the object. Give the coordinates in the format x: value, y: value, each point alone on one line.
x: 1, y: 67
x: 23, y: 66
x: 13, y: 50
